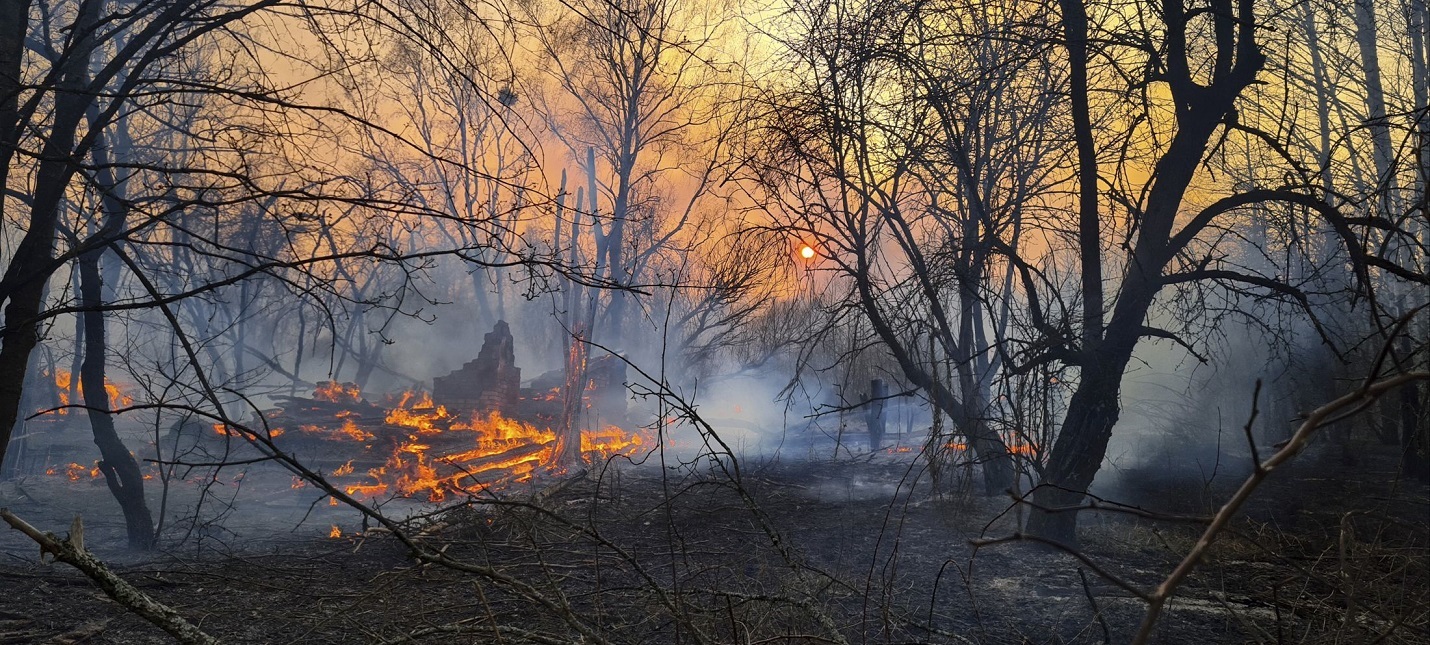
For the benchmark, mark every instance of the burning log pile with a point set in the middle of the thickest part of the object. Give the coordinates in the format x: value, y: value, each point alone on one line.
x: 413, y: 446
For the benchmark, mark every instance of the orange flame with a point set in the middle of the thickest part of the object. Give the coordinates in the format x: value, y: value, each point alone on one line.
x: 1021, y: 449
x: 335, y: 392
x: 504, y: 450
x: 64, y: 380
x: 74, y: 471
x: 418, y: 411
x: 424, y: 450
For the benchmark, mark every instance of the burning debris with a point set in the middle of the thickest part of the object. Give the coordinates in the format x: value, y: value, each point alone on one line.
x: 418, y: 449
x: 478, y: 431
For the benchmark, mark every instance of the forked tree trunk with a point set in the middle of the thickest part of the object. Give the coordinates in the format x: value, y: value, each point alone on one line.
x: 1079, y: 450
x: 1105, y: 352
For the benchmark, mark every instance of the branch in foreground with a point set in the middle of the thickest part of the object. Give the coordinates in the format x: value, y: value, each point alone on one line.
x: 71, y: 551
x: 1318, y: 418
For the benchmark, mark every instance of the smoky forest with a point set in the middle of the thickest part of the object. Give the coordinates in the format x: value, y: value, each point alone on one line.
x: 694, y: 322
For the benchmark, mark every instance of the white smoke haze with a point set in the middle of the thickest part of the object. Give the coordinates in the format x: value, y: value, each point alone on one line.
x: 591, y: 303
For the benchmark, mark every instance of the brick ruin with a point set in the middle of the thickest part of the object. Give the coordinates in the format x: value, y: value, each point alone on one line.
x: 490, y: 382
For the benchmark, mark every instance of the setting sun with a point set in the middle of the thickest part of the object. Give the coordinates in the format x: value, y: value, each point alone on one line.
x: 806, y: 252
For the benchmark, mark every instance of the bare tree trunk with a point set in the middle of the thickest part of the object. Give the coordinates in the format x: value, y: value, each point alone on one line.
x: 15, y: 16
x: 1418, y: 24
x: 1367, y: 37
x: 1322, y: 86
x: 121, y: 471
x: 874, y: 412
x: 567, y: 453
x: 1094, y: 408
x: 24, y: 282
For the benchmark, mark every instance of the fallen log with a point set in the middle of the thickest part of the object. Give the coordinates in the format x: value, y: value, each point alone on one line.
x: 71, y: 551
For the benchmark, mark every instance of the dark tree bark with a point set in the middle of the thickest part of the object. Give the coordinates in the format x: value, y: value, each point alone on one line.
x: 24, y: 282
x: 874, y: 412
x: 121, y: 471
x: 15, y: 18
x: 1105, y: 352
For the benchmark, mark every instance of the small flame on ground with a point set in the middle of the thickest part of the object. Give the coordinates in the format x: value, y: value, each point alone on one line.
x: 1014, y: 448
x: 75, y: 471
x: 335, y: 532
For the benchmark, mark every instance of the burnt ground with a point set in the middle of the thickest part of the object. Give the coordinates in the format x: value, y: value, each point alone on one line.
x: 802, y: 551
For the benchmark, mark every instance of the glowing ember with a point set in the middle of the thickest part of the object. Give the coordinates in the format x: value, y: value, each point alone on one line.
x: 75, y: 471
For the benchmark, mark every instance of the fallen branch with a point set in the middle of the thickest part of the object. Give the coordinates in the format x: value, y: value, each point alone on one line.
x: 71, y: 551
x: 1358, y: 399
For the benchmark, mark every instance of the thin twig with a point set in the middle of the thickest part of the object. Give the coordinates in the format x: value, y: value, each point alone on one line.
x: 1096, y: 611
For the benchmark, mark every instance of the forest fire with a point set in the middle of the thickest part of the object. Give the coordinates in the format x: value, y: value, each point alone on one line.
x: 334, y: 392
x: 417, y: 411
x: 505, y: 450
x: 65, y: 383
x: 419, y: 449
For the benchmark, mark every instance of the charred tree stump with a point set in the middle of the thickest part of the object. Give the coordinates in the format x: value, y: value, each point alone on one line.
x: 568, y: 432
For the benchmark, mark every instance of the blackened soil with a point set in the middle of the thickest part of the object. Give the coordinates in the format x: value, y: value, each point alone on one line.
x: 863, y: 551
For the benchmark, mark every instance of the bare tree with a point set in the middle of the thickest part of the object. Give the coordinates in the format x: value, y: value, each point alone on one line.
x: 910, y: 155
x: 636, y: 89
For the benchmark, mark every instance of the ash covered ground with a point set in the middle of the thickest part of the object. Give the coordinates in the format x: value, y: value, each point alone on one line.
x: 795, y: 549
